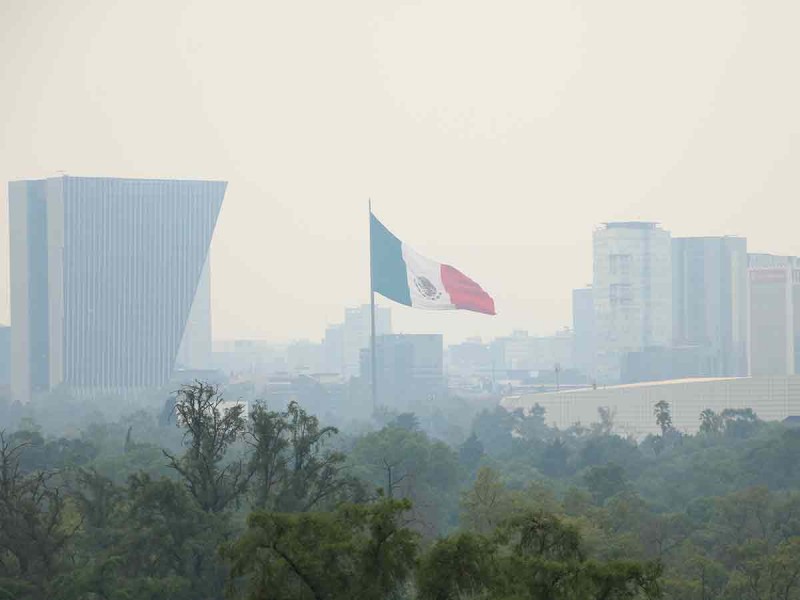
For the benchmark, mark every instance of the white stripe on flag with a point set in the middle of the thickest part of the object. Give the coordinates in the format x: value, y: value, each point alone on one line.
x: 425, y: 281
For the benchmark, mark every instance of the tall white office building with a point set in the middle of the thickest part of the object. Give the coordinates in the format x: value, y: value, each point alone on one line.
x: 104, y: 275
x: 631, y: 293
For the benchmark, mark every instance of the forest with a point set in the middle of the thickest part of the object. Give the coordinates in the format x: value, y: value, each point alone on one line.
x: 207, y: 498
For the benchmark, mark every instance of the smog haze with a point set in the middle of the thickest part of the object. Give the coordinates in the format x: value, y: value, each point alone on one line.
x: 494, y: 137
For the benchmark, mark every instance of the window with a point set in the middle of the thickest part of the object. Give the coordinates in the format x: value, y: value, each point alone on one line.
x: 620, y: 293
x: 620, y: 264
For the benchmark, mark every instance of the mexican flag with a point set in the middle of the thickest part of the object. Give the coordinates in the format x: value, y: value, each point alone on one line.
x: 405, y: 276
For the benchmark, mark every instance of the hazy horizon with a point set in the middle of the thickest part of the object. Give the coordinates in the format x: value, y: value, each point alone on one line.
x: 494, y: 139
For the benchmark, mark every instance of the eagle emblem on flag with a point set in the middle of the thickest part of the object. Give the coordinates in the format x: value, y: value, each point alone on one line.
x: 426, y: 288
x: 400, y: 273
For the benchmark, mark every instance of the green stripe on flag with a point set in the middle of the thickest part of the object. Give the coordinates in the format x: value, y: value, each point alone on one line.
x: 388, y: 267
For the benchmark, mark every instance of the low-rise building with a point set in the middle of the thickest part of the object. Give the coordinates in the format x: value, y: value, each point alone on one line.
x: 772, y: 399
x: 521, y: 351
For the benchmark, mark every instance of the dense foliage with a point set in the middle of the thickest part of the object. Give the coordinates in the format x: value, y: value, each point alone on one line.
x: 207, y: 500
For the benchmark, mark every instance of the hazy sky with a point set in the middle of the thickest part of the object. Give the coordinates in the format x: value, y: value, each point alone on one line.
x: 490, y: 135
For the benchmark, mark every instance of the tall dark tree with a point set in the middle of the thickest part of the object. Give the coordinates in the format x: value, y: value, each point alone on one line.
x: 33, y: 528
x: 663, y: 414
x: 555, y: 458
x: 470, y: 453
x: 605, y: 426
x: 358, y: 552
x: 210, y: 428
x: 496, y: 429
x: 605, y: 481
x: 156, y: 542
x: 460, y: 566
x: 534, y: 555
x: 407, y: 421
x: 292, y: 469
x: 97, y: 498
x: 739, y: 422
x: 710, y: 422
x: 408, y: 464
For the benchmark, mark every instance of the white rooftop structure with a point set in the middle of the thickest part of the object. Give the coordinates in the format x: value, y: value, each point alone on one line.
x: 772, y: 399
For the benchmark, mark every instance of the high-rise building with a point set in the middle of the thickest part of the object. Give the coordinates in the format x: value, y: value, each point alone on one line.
x: 583, y: 330
x: 195, y: 351
x: 632, y: 292
x: 410, y: 368
x: 333, y: 349
x: 104, y: 275
x: 5, y: 355
x: 709, y: 300
x: 357, y: 332
x: 344, y: 342
x: 774, y: 315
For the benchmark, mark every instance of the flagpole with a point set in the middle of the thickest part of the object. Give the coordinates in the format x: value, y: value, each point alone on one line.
x: 373, y: 361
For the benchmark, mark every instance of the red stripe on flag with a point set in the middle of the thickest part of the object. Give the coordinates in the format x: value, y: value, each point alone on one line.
x: 465, y: 293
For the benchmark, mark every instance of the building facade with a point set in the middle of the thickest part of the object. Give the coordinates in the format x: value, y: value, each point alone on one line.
x: 357, y: 329
x: 333, y: 349
x: 771, y: 398
x: 659, y: 363
x: 709, y: 301
x: 5, y: 355
x: 104, y: 275
x: 248, y: 359
x: 583, y: 330
x: 410, y: 368
x: 632, y: 293
x: 306, y: 357
x: 472, y: 356
x: 774, y: 314
x: 196, y: 349
x: 523, y: 352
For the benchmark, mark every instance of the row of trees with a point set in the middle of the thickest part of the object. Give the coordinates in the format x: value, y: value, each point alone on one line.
x: 273, y: 504
x: 262, y: 506
x: 364, y: 552
x: 68, y: 530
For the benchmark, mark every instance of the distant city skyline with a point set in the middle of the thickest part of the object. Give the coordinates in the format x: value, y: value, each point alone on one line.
x: 504, y: 175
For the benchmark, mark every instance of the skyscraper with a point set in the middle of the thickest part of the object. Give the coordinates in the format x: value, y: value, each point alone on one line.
x: 709, y: 300
x: 333, y: 349
x: 5, y: 354
x: 356, y: 334
x: 195, y: 349
x: 409, y: 367
x: 632, y: 292
x: 104, y: 273
x: 583, y: 328
x: 774, y: 314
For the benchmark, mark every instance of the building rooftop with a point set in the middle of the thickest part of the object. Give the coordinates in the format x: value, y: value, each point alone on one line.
x: 709, y: 237
x: 92, y: 178
x: 631, y: 224
x: 642, y: 384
